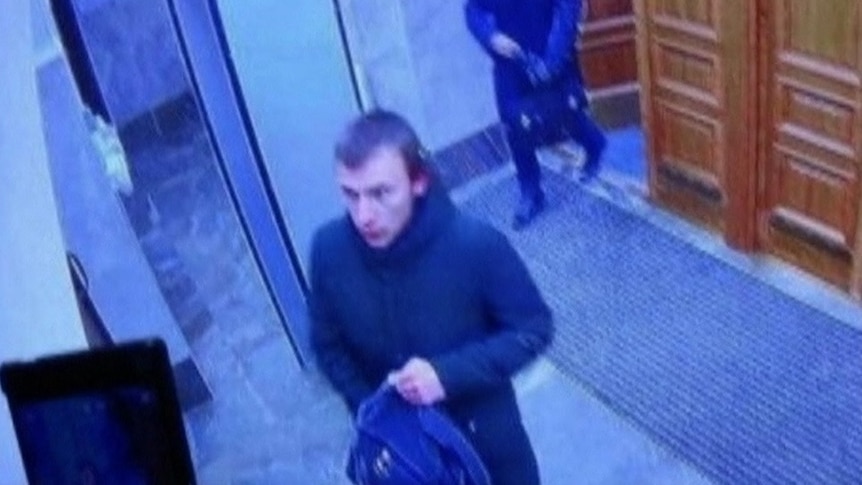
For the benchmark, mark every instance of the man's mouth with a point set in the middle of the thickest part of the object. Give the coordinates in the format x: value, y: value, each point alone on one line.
x: 372, y: 235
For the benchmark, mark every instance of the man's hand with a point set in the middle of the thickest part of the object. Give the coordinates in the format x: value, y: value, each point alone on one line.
x: 417, y: 382
x: 506, y: 46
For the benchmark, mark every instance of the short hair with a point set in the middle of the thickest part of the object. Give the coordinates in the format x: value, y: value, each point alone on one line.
x: 381, y: 129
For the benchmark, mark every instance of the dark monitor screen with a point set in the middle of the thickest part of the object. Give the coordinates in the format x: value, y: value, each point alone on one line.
x: 99, y: 417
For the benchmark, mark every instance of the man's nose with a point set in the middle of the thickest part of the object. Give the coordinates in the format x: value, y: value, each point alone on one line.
x: 364, y: 211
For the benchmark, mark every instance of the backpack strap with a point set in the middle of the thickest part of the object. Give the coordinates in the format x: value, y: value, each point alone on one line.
x: 438, y: 426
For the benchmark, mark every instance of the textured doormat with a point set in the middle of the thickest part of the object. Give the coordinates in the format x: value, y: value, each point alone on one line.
x: 745, y: 383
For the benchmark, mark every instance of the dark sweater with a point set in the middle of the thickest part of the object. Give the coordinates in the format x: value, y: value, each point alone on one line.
x: 450, y: 289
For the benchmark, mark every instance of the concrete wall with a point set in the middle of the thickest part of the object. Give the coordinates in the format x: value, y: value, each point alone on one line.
x: 38, y: 313
x: 296, y: 82
x: 418, y: 58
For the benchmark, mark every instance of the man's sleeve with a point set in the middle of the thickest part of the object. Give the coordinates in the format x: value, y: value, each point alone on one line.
x: 330, y: 350
x: 561, y: 39
x: 480, y: 23
x: 522, y: 320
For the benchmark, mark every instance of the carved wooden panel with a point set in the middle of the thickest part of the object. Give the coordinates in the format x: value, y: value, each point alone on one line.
x: 608, y: 55
x: 607, y: 49
x: 697, y: 87
x: 809, y: 200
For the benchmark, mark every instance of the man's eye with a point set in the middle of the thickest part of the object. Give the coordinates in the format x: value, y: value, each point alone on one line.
x: 350, y: 195
x: 380, y: 192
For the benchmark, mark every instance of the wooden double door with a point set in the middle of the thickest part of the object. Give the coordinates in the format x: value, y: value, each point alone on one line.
x: 751, y: 112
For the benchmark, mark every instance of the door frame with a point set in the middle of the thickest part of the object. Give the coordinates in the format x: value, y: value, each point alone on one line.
x: 213, y: 77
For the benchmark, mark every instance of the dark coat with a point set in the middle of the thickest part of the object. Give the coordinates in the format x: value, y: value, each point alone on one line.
x: 450, y: 289
x: 546, y: 28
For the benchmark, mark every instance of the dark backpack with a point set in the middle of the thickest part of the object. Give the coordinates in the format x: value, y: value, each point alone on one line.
x: 546, y: 112
x: 397, y: 443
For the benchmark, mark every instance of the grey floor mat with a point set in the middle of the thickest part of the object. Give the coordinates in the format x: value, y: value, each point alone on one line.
x: 745, y: 383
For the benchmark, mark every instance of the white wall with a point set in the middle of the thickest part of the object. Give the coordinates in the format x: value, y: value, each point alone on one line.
x: 295, y: 78
x: 418, y: 58
x: 38, y: 313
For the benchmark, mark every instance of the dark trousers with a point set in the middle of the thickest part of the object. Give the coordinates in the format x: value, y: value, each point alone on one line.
x: 515, y: 472
x: 505, y: 450
x: 510, y: 86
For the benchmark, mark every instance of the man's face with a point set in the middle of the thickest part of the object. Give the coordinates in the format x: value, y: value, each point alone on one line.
x: 379, y: 196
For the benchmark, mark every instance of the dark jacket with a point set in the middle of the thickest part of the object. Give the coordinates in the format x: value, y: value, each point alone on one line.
x: 450, y: 289
x: 545, y: 28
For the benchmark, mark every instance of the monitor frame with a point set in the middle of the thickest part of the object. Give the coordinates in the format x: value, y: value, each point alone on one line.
x: 138, y: 364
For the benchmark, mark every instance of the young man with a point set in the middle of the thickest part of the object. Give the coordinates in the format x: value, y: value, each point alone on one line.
x: 407, y: 290
x: 532, y: 44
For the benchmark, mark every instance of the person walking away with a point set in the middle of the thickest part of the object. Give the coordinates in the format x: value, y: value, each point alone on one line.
x: 532, y: 43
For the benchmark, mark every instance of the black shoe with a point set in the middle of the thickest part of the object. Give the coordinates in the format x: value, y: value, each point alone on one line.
x: 592, y: 164
x: 527, y: 210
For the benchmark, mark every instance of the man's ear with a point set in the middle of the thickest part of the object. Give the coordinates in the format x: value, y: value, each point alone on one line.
x: 419, y: 184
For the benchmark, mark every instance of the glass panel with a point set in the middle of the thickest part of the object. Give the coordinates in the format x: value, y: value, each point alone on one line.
x: 145, y: 209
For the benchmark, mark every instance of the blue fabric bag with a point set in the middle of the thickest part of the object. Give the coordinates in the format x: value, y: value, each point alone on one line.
x: 397, y: 443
